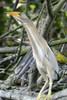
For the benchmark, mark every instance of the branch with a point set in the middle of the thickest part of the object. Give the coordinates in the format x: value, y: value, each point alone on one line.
x: 58, y: 6
x: 49, y: 21
x: 40, y: 14
x: 16, y: 95
x: 58, y: 42
x: 22, y: 94
x: 12, y: 50
x: 9, y: 22
x: 60, y: 95
x: 8, y: 49
x: 27, y: 4
x: 7, y: 33
x: 49, y: 8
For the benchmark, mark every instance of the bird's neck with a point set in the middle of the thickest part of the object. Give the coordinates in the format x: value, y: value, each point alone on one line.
x: 37, y: 42
x: 33, y: 35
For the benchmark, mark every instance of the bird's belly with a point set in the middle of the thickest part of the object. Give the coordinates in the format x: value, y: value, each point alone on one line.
x: 45, y: 68
x: 39, y: 57
x: 38, y: 54
x: 42, y: 69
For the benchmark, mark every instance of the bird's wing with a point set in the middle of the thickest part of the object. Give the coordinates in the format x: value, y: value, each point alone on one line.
x: 51, y: 57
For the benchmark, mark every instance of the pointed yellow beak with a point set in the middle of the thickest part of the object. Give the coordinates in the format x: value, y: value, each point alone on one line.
x: 14, y: 13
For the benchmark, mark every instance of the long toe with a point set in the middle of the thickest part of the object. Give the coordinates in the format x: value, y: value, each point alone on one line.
x: 47, y: 97
x: 40, y: 96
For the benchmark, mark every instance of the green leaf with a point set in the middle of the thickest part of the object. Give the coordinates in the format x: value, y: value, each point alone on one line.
x: 32, y: 6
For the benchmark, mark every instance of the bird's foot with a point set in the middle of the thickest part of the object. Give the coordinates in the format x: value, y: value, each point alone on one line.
x: 40, y: 96
x: 48, y: 96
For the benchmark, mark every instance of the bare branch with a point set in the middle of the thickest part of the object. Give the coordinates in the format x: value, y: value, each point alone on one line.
x: 58, y: 42
x: 49, y: 8
x: 49, y: 20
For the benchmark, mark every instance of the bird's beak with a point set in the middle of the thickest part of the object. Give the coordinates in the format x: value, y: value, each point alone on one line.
x: 14, y: 13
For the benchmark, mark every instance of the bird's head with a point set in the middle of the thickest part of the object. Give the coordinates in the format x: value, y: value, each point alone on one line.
x: 19, y: 16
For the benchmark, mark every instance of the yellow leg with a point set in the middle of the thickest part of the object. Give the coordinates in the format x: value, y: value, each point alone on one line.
x: 41, y: 95
x: 49, y: 93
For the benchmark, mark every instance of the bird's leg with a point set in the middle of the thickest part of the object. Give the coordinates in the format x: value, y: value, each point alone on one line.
x: 49, y: 93
x: 50, y: 87
x: 41, y: 95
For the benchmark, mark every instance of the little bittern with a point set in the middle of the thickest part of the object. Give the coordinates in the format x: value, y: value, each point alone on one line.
x: 45, y: 59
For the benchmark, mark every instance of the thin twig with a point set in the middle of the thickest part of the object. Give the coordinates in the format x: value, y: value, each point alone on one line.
x: 7, y: 33
x: 9, y: 22
x: 48, y: 20
x: 27, y: 4
x: 49, y: 8
x: 43, y: 6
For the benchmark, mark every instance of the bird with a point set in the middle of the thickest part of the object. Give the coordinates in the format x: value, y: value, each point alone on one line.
x: 45, y: 59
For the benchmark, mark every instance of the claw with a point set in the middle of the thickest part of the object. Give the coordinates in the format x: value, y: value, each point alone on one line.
x: 40, y: 96
x: 48, y: 96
